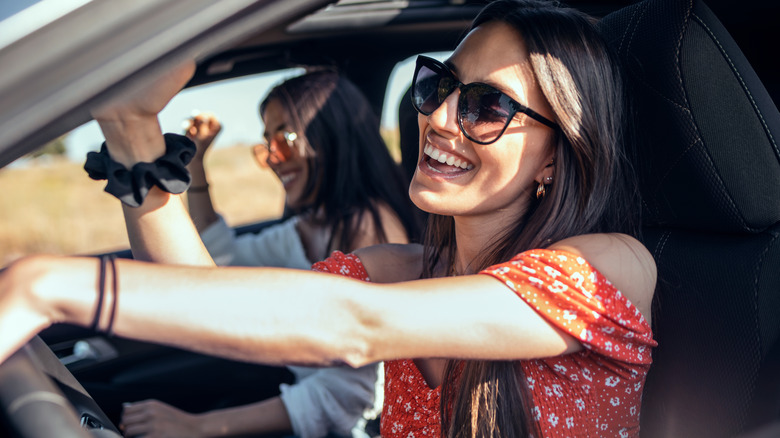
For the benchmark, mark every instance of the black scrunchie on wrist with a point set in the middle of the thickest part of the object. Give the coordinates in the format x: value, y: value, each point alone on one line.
x: 168, y: 172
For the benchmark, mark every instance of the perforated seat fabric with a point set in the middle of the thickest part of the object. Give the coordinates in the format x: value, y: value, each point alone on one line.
x: 709, y: 168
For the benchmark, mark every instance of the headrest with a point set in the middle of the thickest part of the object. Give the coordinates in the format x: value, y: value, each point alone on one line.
x: 708, y: 131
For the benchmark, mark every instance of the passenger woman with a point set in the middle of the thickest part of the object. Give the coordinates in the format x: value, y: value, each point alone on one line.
x: 343, y: 192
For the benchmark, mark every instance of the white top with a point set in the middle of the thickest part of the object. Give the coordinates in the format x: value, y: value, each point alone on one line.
x: 337, y: 400
x: 278, y: 245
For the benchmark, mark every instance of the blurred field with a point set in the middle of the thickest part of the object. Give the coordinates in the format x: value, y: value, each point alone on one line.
x: 52, y: 206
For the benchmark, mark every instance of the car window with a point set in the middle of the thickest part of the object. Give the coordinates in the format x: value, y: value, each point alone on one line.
x: 399, y: 82
x: 51, y: 206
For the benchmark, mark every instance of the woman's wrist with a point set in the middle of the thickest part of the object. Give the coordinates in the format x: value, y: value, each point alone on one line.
x: 48, y: 301
x: 54, y: 298
x: 211, y: 424
x: 132, y: 140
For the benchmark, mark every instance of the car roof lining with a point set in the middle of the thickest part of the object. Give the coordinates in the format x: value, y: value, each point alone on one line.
x: 391, y: 30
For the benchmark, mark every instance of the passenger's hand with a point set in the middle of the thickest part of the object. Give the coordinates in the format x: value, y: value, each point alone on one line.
x: 202, y: 130
x: 155, y: 419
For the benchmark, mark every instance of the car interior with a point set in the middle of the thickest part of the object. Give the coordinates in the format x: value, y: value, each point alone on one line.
x: 707, y: 155
x: 708, y: 166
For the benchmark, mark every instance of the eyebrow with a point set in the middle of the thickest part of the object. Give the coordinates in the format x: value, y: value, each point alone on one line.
x: 267, y: 133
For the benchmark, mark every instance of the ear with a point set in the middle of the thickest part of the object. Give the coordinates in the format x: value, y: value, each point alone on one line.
x: 546, y: 174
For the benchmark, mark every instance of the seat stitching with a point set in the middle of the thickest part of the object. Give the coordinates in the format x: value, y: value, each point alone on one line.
x: 698, y: 142
x: 641, y: 78
x: 634, y: 27
x: 676, y: 161
x: 760, y: 263
x: 678, y: 52
x: 660, y: 248
x: 677, y: 63
x: 741, y: 81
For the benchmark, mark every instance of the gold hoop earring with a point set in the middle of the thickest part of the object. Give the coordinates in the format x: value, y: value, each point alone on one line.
x: 540, y: 191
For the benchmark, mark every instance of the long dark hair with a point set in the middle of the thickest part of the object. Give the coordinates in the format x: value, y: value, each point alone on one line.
x: 351, y: 171
x: 594, y: 191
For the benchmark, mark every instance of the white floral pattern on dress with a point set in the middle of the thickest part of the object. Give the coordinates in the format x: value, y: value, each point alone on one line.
x: 602, y: 383
x: 595, y: 392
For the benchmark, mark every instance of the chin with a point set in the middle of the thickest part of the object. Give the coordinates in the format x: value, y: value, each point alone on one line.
x: 293, y: 203
x: 431, y: 202
x: 420, y: 196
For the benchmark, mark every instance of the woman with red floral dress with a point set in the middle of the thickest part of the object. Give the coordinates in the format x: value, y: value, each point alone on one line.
x: 523, y: 313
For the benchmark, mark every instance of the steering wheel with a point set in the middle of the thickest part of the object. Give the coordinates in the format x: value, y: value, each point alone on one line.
x: 40, y: 398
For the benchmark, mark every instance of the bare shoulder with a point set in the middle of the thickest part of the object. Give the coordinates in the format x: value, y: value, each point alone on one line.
x: 622, y: 259
x: 391, y: 263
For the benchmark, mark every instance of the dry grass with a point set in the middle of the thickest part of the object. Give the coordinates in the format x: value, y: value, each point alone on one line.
x: 52, y: 206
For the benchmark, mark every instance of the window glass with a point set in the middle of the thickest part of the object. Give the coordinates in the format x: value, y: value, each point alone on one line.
x: 50, y: 205
x: 399, y: 82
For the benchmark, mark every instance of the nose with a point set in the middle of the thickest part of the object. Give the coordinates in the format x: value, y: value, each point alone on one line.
x: 444, y: 119
x: 278, y: 153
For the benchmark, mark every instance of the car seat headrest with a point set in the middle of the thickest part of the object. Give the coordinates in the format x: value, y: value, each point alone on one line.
x: 707, y: 129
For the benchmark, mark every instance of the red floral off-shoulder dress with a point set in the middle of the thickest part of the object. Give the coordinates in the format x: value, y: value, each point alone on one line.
x: 595, y: 392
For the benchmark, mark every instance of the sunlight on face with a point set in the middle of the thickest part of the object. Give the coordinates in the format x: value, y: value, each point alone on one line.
x: 288, y: 163
x: 499, y: 179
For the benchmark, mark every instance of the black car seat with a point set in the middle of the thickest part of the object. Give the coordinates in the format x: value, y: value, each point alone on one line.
x: 709, y: 168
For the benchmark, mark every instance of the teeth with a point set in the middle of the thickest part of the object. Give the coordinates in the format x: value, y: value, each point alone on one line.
x: 443, y: 157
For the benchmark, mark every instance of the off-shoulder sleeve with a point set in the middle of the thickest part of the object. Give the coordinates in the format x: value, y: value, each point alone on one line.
x: 576, y: 298
x: 348, y: 265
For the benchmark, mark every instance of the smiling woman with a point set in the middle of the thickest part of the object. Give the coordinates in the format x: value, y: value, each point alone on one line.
x: 552, y: 289
x: 708, y: 177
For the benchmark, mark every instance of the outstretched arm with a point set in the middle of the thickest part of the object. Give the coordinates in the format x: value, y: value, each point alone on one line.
x: 284, y: 316
x: 281, y: 316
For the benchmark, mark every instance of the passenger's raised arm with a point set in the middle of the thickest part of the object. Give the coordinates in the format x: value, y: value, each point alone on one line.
x: 202, y: 130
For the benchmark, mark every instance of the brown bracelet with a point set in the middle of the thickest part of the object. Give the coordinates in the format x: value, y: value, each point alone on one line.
x: 101, y: 298
x: 101, y: 287
x: 203, y: 188
x: 114, y: 295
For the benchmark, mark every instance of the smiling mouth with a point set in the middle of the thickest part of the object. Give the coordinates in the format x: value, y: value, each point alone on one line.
x: 443, y: 162
x: 287, y: 177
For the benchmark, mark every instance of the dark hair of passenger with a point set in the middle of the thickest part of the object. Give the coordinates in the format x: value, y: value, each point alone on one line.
x: 594, y: 191
x: 351, y: 169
